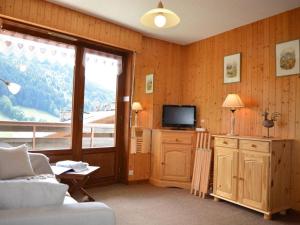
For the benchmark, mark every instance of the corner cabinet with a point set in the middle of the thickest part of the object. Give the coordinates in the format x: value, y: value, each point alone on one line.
x: 171, y: 158
x: 253, y: 172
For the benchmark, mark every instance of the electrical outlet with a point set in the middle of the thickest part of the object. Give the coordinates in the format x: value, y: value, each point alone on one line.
x: 130, y: 173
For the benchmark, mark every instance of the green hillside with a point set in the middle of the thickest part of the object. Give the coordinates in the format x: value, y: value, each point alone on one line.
x: 46, y: 90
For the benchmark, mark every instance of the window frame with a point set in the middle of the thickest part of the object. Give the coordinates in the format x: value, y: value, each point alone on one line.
x: 80, y: 44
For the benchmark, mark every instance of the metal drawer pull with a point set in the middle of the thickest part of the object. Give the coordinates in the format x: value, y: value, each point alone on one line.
x: 253, y: 146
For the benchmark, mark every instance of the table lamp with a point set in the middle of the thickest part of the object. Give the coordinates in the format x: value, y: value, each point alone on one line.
x: 12, y: 87
x: 233, y: 101
x: 136, y: 107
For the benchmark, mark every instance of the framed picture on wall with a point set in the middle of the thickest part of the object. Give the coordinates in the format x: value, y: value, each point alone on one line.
x: 149, y: 83
x: 287, y: 58
x: 232, y: 68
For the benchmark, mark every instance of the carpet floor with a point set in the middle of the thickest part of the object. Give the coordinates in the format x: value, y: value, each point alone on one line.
x: 144, y: 204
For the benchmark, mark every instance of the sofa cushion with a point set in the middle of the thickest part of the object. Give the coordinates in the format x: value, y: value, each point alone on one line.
x: 69, y: 200
x: 40, y: 163
x: 15, y: 162
x: 31, y: 193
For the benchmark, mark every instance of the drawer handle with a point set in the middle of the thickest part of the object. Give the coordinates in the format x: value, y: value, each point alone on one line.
x: 253, y: 146
x: 225, y: 142
x: 162, y: 163
x: 234, y: 177
x: 242, y: 179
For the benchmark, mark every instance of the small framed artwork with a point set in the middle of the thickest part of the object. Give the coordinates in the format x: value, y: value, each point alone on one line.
x: 287, y: 58
x: 232, y: 68
x: 149, y: 83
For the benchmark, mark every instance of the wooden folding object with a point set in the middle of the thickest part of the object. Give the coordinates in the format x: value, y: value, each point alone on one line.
x: 202, y: 165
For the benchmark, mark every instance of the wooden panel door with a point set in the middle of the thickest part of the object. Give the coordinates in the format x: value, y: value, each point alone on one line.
x: 254, y: 179
x: 225, y: 173
x: 176, y: 162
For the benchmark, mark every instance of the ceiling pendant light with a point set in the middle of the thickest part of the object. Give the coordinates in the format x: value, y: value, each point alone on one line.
x: 160, y: 18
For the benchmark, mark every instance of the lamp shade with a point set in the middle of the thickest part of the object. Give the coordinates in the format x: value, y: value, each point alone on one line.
x: 233, y: 101
x: 160, y: 18
x: 14, y: 88
x: 136, y: 106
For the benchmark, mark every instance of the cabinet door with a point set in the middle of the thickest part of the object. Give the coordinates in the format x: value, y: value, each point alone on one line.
x: 254, y: 179
x: 225, y: 172
x: 176, y: 162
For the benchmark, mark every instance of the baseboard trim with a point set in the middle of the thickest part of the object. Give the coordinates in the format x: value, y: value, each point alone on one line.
x: 163, y: 183
x: 145, y: 181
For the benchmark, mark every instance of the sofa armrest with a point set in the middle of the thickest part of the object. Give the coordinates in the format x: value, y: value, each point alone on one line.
x: 88, y: 213
x: 40, y: 163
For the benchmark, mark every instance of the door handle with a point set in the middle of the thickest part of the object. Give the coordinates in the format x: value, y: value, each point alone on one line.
x: 81, y: 115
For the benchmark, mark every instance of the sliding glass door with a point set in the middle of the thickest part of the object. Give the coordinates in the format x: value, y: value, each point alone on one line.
x: 101, y: 71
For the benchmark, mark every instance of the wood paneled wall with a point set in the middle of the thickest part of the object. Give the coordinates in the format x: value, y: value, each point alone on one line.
x: 163, y: 59
x: 260, y: 89
x: 71, y: 22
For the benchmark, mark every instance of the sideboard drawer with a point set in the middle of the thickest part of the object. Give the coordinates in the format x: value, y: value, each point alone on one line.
x: 177, y: 138
x: 226, y: 142
x: 258, y: 146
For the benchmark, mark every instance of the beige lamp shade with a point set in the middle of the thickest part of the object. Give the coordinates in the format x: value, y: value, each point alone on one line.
x: 233, y: 101
x: 136, y: 106
x: 160, y: 18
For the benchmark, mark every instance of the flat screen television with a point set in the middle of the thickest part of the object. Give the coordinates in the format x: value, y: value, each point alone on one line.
x: 179, y: 116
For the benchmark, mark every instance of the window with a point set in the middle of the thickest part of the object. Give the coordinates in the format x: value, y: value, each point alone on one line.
x: 40, y: 113
x: 100, y: 93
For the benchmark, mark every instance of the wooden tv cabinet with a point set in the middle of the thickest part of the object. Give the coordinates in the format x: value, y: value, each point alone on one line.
x: 253, y: 172
x: 172, y: 158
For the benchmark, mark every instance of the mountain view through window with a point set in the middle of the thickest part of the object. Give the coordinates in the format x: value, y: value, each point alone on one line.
x: 40, y: 114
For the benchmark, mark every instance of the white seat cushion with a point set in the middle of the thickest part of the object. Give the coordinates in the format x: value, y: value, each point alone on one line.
x: 31, y: 193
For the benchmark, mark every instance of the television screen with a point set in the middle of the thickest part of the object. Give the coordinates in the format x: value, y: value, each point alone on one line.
x: 180, y: 116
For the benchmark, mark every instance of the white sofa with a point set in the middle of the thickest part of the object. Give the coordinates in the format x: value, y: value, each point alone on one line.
x: 71, y: 212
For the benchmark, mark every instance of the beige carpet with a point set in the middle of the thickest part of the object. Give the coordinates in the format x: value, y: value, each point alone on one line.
x: 144, y: 204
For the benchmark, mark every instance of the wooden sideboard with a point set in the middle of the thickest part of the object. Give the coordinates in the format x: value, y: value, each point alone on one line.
x: 253, y: 172
x: 172, y: 158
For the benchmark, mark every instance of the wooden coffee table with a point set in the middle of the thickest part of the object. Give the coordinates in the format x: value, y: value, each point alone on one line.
x: 78, y: 180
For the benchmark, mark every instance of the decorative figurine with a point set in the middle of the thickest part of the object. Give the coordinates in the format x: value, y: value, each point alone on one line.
x: 268, y: 123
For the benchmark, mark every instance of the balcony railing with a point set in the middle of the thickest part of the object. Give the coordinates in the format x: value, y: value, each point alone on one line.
x: 53, y: 136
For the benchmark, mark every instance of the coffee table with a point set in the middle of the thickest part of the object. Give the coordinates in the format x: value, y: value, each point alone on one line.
x: 78, y: 180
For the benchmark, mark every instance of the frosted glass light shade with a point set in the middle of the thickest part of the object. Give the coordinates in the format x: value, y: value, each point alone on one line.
x: 154, y: 18
x: 136, y: 106
x: 233, y: 101
x: 160, y: 20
